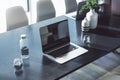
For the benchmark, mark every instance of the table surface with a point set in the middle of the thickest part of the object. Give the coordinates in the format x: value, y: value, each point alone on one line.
x: 40, y: 67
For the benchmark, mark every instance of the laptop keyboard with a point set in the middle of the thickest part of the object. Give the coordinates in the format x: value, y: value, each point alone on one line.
x: 62, y: 51
x: 66, y: 53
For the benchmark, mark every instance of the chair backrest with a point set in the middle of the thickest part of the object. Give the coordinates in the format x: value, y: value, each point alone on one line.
x: 45, y: 10
x: 16, y: 17
x: 71, y: 5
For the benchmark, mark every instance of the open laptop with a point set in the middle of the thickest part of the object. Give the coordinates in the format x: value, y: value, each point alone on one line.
x: 80, y: 15
x: 56, y: 43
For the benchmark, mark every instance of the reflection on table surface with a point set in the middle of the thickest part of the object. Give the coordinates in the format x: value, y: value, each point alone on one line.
x: 40, y: 67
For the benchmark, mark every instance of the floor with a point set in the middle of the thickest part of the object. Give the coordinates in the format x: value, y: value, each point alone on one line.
x: 96, y: 69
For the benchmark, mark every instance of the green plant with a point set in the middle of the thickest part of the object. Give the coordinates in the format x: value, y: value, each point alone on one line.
x: 90, y: 4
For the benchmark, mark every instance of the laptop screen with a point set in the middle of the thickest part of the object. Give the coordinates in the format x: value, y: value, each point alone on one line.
x: 54, y: 35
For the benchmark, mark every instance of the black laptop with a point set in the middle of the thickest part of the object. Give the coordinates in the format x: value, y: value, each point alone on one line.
x: 56, y: 43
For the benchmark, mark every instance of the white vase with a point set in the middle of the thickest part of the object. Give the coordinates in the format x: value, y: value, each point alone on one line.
x: 92, y: 18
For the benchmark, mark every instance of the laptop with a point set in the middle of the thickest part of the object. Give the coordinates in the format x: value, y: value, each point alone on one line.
x: 80, y: 15
x: 56, y: 43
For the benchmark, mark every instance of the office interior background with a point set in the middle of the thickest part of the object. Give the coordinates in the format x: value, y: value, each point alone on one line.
x: 100, y: 44
x: 30, y: 8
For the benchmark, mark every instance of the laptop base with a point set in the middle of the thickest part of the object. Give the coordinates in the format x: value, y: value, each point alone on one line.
x: 66, y: 53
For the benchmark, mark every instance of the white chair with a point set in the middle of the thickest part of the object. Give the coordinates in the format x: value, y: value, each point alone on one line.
x: 16, y: 17
x: 45, y: 10
x: 71, y: 5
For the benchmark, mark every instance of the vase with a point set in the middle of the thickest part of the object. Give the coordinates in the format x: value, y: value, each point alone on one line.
x: 92, y: 18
